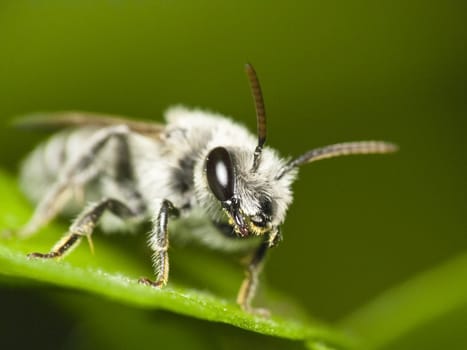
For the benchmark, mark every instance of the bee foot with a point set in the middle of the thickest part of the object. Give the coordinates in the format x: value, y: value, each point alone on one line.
x: 148, y: 282
x: 42, y: 256
x: 261, y: 312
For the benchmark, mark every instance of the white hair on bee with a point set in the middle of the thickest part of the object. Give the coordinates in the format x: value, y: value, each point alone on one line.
x: 212, y: 180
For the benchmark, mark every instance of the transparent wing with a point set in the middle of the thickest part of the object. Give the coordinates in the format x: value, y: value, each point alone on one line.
x: 57, y: 120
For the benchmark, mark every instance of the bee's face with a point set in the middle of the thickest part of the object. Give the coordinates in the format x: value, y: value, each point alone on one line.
x: 246, y: 225
x: 249, y: 213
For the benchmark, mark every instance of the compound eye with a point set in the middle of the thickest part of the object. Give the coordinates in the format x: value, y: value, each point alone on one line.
x: 258, y: 220
x: 220, y: 173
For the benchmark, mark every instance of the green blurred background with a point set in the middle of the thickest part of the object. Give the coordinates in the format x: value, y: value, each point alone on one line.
x: 331, y: 71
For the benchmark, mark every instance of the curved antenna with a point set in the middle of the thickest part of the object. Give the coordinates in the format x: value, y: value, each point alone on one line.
x: 260, y: 113
x: 339, y: 149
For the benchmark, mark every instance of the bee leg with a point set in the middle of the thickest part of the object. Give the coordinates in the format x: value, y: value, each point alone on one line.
x: 159, y: 242
x: 72, y: 178
x: 248, y: 288
x: 84, y: 225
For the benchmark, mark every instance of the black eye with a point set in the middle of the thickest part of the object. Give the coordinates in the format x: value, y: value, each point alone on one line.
x: 259, y: 220
x: 266, y: 206
x: 220, y: 173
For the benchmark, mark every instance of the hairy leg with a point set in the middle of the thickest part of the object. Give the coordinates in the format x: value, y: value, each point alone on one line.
x: 84, y: 225
x: 159, y: 242
x: 248, y: 288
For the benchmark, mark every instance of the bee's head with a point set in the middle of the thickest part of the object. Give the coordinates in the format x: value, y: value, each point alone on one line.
x: 253, y: 201
x: 253, y: 187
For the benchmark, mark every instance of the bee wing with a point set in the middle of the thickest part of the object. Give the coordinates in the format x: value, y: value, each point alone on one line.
x: 57, y: 120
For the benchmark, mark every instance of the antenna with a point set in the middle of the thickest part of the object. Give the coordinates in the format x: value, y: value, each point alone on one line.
x: 260, y: 113
x: 337, y: 150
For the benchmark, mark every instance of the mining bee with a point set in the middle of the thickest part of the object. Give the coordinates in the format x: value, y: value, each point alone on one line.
x: 198, y: 165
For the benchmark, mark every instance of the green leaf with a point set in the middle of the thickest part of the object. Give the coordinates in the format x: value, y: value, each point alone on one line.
x: 411, y: 305
x: 207, y: 291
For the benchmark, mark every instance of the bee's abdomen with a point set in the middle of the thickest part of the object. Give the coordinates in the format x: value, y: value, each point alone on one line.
x: 42, y: 167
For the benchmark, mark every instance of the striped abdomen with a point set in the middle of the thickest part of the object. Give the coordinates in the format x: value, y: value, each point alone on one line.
x: 42, y: 167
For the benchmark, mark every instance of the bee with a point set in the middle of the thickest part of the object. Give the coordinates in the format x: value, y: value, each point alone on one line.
x: 198, y: 165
